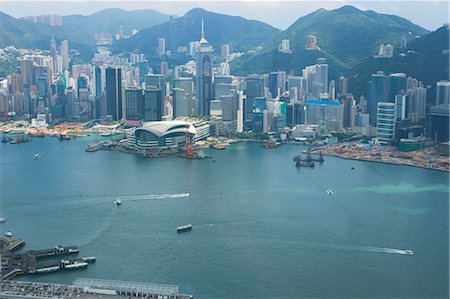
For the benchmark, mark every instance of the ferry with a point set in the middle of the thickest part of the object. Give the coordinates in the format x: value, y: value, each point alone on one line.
x: 409, y: 252
x: 118, y: 202
x: 184, y: 228
x: 76, y: 265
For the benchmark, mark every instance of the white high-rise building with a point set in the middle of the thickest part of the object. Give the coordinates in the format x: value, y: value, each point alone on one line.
x: 388, y: 51
x: 65, y: 54
x: 284, y: 46
x: 386, y: 118
x: 161, y: 46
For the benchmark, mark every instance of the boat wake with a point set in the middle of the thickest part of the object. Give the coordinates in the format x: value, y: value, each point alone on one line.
x: 386, y: 250
x: 152, y: 196
x: 373, y: 249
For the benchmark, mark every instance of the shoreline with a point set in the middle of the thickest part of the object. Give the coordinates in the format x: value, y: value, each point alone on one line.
x: 326, y: 152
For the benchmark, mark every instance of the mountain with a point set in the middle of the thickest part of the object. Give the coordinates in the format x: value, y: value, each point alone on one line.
x: 24, y: 34
x: 78, y: 30
x: 346, y: 35
x: 110, y: 20
x: 240, y: 33
x: 426, y: 59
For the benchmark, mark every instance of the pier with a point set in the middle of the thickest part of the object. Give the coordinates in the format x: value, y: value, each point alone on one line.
x: 37, y: 261
x: 90, y: 289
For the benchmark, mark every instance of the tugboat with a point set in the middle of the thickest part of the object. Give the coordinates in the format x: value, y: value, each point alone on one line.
x: 184, y: 228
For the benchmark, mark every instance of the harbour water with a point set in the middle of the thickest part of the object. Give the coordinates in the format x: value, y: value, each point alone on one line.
x: 261, y: 227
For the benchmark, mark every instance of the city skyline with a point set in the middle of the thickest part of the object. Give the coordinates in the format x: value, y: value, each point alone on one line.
x: 268, y: 12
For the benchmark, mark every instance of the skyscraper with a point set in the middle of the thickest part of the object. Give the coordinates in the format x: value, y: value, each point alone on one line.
x: 133, y: 103
x: 376, y: 93
x: 321, y: 77
x: 54, y: 53
x: 343, y: 85
x: 254, y: 89
x: 173, y: 35
x: 153, y: 105
x: 65, y: 54
x: 203, y: 75
x: 182, y: 92
x: 114, y: 93
x: 161, y: 46
x: 442, y: 92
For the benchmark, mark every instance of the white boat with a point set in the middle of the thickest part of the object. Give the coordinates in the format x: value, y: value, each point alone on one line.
x: 106, y: 134
x: 184, y: 228
x: 36, y: 156
x: 2, y: 220
x: 329, y: 192
x: 410, y: 252
x: 8, y: 234
x: 118, y: 202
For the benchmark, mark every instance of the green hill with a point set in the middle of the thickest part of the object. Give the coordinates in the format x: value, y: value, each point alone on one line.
x: 110, y: 20
x: 345, y: 36
x: 240, y: 33
x: 426, y: 59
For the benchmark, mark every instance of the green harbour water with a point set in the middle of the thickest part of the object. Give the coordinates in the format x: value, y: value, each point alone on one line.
x: 261, y: 227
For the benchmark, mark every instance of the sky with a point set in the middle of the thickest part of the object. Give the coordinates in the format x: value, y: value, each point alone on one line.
x: 281, y: 14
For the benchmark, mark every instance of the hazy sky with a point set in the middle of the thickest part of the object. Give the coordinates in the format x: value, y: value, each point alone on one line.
x: 429, y: 14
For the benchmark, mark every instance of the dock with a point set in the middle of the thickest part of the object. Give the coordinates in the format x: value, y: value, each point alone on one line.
x: 9, y: 244
x: 89, y: 289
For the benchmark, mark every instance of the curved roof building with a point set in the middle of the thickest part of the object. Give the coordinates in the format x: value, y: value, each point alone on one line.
x: 161, y: 134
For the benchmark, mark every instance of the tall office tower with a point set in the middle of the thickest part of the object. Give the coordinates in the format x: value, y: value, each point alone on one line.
x: 332, y: 90
x: 153, y: 105
x: 26, y: 71
x: 294, y: 85
x: 259, y: 106
x: 114, y: 92
x: 133, y: 103
x: 203, y: 75
x: 54, y: 53
x: 312, y: 42
x: 173, y: 35
x: 99, y: 83
x: 400, y: 105
x: 321, y: 77
x: 156, y: 81
x: 164, y: 68
x: 272, y: 84
x: 183, y: 100
x: 82, y: 85
x: 349, y: 110
x: 386, y: 119
x: 394, y: 84
x: 254, y: 89
x: 376, y: 93
x: 343, y: 85
x: 225, y: 50
x: 442, y: 92
x: 161, y: 46
x: 229, y: 106
x: 403, y: 42
x: 65, y: 54
x: 417, y: 99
